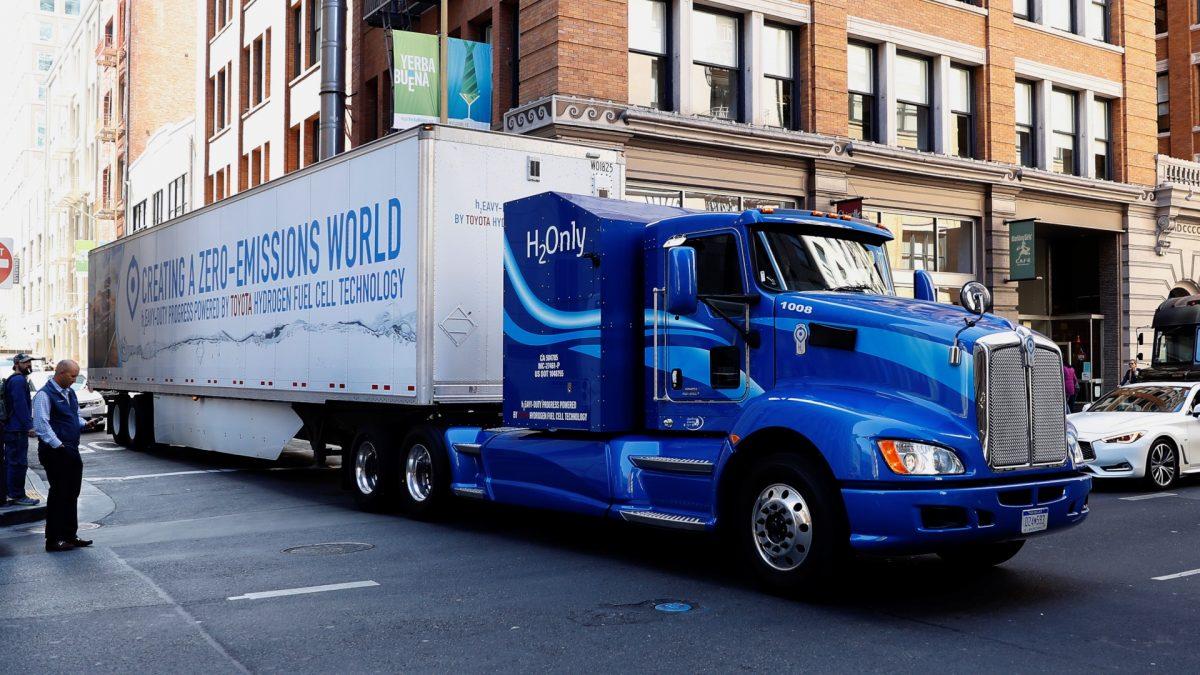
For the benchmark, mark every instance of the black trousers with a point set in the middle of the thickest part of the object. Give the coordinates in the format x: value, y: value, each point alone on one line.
x: 64, y: 470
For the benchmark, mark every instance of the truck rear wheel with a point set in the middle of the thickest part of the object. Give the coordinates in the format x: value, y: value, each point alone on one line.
x: 118, y: 420
x: 139, y: 425
x: 790, y: 524
x: 424, y: 475
x: 368, y: 462
x: 975, y: 556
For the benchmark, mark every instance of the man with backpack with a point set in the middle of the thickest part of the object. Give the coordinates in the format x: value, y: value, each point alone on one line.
x: 17, y: 413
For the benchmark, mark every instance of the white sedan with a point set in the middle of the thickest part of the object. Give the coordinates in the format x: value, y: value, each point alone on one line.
x: 1147, y: 430
x: 92, y: 406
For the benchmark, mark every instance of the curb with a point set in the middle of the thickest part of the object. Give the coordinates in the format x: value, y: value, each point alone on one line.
x: 21, y: 515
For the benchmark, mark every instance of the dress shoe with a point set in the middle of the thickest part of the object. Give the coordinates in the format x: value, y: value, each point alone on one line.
x: 56, y: 546
x: 24, y: 501
x: 80, y: 543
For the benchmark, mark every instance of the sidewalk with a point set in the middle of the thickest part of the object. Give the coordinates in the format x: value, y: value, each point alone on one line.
x: 16, y: 515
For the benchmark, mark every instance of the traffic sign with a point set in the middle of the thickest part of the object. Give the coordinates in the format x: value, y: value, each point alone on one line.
x: 6, y: 263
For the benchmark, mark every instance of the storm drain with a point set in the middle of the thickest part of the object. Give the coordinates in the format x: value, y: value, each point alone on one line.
x: 634, y: 613
x: 41, y: 529
x: 333, y: 548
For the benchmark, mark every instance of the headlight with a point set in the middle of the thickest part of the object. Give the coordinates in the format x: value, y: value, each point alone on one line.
x: 1125, y: 438
x: 910, y: 458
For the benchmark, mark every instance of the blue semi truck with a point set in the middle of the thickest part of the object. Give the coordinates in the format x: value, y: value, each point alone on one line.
x: 755, y: 374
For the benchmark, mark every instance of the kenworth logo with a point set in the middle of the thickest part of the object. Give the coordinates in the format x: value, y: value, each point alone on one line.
x: 553, y: 239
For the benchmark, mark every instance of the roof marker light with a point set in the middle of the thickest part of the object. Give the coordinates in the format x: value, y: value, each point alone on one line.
x: 766, y: 209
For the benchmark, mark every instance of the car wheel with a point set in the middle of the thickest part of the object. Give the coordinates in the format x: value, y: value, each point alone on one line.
x: 793, y: 532
x: 1162, y: 464
x: 975, y: 556
x: 424, y: 475
x: 371, y: 480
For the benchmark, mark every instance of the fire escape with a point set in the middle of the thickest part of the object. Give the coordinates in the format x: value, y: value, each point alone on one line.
x: 110, y: 130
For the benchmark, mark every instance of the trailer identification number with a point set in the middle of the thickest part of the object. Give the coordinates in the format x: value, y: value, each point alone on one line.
x: 797, y: 307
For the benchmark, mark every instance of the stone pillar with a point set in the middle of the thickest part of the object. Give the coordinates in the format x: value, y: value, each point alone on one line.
x: 681, y: 51
x: 1001, y: 206
x: 1043, y: 93
x: 940, y: 110
x: 752, y: 47
x: 886, y: 98
x: 1113, y: 301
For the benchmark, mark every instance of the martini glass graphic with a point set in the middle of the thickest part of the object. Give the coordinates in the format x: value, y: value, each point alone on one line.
x: 470, y: 84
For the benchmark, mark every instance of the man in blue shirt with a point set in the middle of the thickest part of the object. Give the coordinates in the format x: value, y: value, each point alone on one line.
x: 17, y: 432
x: 58, y: 425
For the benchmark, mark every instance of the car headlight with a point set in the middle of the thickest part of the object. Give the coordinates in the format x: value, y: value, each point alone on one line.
x: 910, y: 458
x: 1125, y: 438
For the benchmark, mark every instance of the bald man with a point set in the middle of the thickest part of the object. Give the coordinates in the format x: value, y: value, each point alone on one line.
x: 58, y: 425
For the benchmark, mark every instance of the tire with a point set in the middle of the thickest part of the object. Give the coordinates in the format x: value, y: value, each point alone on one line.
x: 789, y: 524
x: 139, y: 425
x: 424, y: 475
x: 976, y: 556
x: 369, y: 463
x: 1162, y: 464
x: 118, y: 421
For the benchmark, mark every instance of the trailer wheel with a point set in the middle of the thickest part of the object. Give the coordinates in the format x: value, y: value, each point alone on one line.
x: 424, y: 475
x: 139, y: 425
x: 975, y: 556
x: 118, y: 420
x: 367, y: 463
x: 789, y: 524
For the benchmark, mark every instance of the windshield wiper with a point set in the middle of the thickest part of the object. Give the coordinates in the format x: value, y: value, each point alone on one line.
x: 855, y: 287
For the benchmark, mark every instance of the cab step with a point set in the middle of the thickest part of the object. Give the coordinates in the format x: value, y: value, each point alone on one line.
x: 699, y: 467
x: 469, y: 492
x: 660, y: 519
x: 468, y: 448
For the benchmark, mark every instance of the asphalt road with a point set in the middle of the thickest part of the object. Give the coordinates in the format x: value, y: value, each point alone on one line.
x: 192, y: 537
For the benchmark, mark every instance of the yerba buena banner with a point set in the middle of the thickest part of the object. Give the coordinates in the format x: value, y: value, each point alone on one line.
x: 415, y: 68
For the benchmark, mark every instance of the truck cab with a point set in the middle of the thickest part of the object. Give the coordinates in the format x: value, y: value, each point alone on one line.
x: 755, y: 373
x: 1173, y: 356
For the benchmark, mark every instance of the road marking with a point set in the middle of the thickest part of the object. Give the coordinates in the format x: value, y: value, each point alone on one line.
x: 1177, y: 575
x: 115, y: 479
x: 1152, y: 495
x: 303, y: 591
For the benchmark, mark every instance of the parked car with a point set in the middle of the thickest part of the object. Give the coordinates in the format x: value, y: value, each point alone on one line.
x: 92, y: 406
x: 1146, y: 430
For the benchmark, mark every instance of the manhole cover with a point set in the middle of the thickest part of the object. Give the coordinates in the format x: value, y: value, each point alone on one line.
x: 41, y: 529
x: 634, y: 613
x: 335, y: 548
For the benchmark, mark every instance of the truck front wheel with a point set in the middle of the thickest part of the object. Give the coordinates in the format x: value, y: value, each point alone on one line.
x: 424, y: 475
x: 793, y: 532
x: 368, y: 463
x: 975, y: 556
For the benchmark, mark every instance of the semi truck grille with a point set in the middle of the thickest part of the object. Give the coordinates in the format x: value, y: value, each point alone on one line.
x: 1021, y: 409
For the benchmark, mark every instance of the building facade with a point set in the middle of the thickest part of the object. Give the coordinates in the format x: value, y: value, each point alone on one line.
x: 162, y: 178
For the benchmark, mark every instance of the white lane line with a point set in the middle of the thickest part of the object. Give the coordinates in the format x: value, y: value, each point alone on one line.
x: 115, y: 479
x: 1177, y: 575
x: 302, y: 591
x: 1152, y: 495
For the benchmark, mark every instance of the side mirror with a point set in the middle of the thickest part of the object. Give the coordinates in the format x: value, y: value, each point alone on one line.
x: 975, y: 297
x: 681, y: 280
x: 1141, y: 341
x: 1140, y: 357
x: 923, y: 286
x: 1196, y: 410
x: 1086, y: 407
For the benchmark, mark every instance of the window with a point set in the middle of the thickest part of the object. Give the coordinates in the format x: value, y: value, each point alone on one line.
x: 962, y: 119
x: 1097, y: 23
x: 41, y: 92
x: 314, y: 32
x: 930, y: 243
x: 1021, y: 9
x: 1063, y: 123
x: 861, y: 85
x: 295, y: 48
x: 704, y: 200
x: 45, y: 31
x: 1026, y: 143
x: 1164, y: 103
x: 44, y: 61
x: 139, y: 215
x: 718, y: 265
x: 157, y: 208
x: 649, y: 62
x: 715, y: 72
x: 779, y: 86
x: 71, y: 7
x: 40, y: 130
x: 257, y: 79
x: 177, y: 197
x: 1102, y: 138
x: 1160, y: 16
x: 1059, y: 14
x: 46, y: 5
x: 222, y: 100
x: 913, y: 129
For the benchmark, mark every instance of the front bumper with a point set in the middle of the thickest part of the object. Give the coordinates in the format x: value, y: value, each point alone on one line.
x: 914, y: 521
x: 97, y: 411
x: 1119, y: 460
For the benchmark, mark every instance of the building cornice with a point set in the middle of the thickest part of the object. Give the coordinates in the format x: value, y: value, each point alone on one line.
x: 1068, y: 78
x: 913, y: 40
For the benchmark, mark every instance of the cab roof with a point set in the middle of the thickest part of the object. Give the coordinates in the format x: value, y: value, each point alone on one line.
x: 1183, y: 311
x: 811, y: 222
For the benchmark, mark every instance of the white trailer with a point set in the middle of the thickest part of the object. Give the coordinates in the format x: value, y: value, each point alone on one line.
x: 361, y: 292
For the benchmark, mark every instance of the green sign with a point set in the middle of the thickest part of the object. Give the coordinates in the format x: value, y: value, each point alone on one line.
x: 82, y: 247
x: 1022, y: 250
x: 414, y: 78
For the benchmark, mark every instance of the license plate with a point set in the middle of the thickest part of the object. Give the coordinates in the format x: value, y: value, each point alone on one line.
x: 1034, y: 520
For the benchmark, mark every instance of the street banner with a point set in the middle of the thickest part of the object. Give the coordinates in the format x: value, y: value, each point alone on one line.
x: 1022, y: 251
x: 415, y: 71
x: 414, y: 78
x: 6, y: 263
x: 82, y: 246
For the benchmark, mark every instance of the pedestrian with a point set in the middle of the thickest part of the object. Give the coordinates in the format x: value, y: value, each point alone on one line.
x: 1071, y: 383
x: 1131, y: 375
x: 58, y: 424
x: 18, y: 429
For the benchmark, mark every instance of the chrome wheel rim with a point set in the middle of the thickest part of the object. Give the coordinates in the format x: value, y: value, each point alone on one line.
x: 782, y: 525
x: 115, y: 421
x: 418, y: 473
x: 366, y: 468
x: 132, y: 423
x: 1162, y: 464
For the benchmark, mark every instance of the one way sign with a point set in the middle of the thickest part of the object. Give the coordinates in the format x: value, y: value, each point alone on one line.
x: 6, y: 263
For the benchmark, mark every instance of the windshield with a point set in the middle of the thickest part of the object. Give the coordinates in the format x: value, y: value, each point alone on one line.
x: 790, y: 261
x: 1174, y: 345
x: 1142, y: 399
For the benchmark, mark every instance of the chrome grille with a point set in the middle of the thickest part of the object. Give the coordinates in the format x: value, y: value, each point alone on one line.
x: 1021, y: 411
